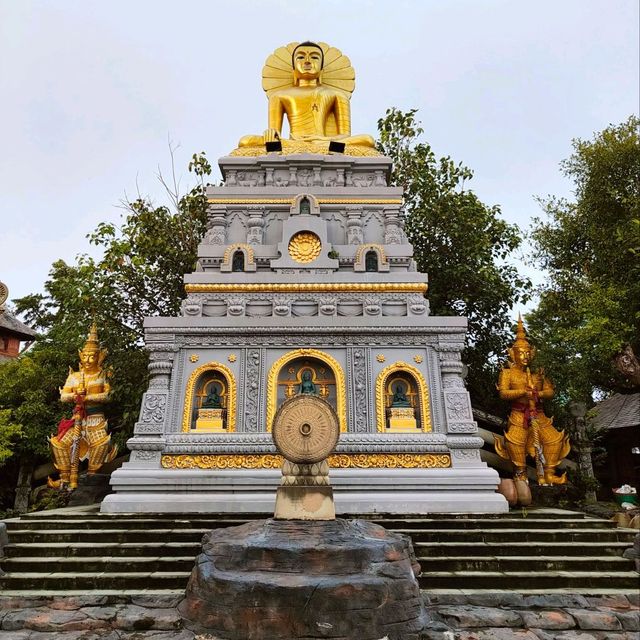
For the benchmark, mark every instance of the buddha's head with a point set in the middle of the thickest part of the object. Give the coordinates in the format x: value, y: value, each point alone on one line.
x: 91, y: 355
x: 521, y: 352
x: 307, y: 60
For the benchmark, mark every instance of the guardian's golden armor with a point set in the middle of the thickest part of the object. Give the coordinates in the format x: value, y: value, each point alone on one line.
x: 529, y: 430
x: 311, y: 84
x: 85, y: 435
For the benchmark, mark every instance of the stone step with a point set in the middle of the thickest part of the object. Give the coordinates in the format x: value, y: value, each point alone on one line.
x: 521, y: 535
x: 85, y: 549
x: 455, y: 563
x: 389, y: 523
x: 129, y: 564
x: 139, y: 581
x: 463, y: 548
x: 515, y: 580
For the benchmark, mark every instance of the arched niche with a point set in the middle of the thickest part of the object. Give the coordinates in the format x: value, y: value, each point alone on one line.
x: 232, y: 250
x: 360, y: 262
x: 198, y: 385
x: 285, y: 377
x: 305, y: 203
x: 416, y: 391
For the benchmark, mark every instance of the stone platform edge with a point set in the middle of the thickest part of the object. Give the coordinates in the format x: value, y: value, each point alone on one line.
x: 454, y: 615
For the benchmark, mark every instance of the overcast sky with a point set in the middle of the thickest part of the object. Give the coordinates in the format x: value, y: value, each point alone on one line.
x: 92, y: 90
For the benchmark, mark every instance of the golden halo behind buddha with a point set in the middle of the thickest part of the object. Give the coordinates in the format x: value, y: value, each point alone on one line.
x: 337, y: 71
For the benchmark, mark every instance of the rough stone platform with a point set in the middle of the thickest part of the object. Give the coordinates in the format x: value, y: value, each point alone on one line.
x: 294, y: 580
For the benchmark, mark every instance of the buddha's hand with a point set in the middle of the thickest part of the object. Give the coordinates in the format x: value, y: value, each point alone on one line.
x: 271, y: 135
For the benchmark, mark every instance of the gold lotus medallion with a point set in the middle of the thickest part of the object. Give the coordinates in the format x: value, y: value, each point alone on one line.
x: 304, y: 247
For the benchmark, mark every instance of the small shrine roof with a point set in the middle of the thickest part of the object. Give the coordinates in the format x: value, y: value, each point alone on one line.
x: 9, y: 324
x: 618, y: 411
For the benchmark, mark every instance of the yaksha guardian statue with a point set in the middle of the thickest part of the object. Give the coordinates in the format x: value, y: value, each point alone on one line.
x: 311, y: 84
x: 529, y: 430
x: 85, y: 434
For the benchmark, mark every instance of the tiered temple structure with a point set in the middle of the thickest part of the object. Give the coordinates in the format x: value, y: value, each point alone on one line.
x: 306, y: 284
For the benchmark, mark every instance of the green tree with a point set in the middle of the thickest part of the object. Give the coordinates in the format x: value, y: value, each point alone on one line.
x: 589, y: 306
x: 462, y: 244
x: 139, y: 274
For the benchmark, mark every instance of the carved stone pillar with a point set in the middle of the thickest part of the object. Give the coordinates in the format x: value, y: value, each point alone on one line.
x: 255, y: 224
x: 354, y: 226
x: 392, y: 227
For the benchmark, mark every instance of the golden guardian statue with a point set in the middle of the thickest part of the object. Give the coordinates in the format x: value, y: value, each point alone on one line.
x: 529, y: 430
x: 311, y: 84
x: 85, y: 434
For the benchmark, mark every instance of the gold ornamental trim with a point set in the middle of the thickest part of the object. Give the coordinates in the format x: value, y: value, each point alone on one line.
x: 310, y: 287
x: 423, y: 394
x: 272, y: 382
x: 231, y: 394
x: 247, y: 249
x: 336, y: 461
x: 291, y: 201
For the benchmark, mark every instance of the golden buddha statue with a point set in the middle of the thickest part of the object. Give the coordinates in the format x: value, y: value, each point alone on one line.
x: 311, y: 83
x: 529, y: 430
x: 85, y: 434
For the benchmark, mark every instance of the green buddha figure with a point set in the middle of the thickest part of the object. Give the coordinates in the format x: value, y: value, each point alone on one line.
x: 212, y: 401
x: 399, y: 397
x: 307, y: 386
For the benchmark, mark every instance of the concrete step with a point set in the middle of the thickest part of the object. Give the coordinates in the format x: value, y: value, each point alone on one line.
x: 520, y: 535
x: 456, y: 562
x: 501, y: 548
x: 129, y: 564
x: 515, y: 580
x: 389, y: 523
x: 88, y: 549
x: 60, y: 581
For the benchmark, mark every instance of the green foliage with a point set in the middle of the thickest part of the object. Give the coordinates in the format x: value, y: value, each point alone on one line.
x: 461, y: 243
x: 590, y: 247
x: 139, y: 274
x: 9, y: 430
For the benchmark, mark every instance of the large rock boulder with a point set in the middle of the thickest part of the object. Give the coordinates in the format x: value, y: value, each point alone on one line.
x: 277, y: 580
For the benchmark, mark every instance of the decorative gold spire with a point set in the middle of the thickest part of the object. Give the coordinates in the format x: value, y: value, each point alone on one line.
x: 521, y: 335
x: 92, y: 344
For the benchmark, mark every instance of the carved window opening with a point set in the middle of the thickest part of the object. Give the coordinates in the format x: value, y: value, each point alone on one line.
x: 305, y: 206
x: 210, y: 400
x: 371, y: 261
x: 402, y: 400
x: 306, y: 371
x: 237, y: 262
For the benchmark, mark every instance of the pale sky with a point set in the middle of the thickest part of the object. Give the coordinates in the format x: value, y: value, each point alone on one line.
x: 92, y: 90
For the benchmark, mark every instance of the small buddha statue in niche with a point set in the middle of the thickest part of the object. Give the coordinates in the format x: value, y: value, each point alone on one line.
x: 310, y: 83
x: 307, y: 385
x: 212, y: 400
x: 399, y: 397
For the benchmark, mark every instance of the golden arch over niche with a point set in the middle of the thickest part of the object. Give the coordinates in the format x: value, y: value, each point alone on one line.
x: 272, y: 383
x: 249, y: 256
x: 191, y: 388
x: 423, y: 394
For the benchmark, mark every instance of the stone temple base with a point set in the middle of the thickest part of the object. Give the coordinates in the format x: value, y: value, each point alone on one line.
x: 356, y: 491
x: 295, y: 580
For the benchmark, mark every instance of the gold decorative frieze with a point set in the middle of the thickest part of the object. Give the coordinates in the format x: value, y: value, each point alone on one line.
x: 336, y: 461
x: 310, y: 287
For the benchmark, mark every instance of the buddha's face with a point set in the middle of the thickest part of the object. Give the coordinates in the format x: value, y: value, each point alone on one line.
x: 522, y: 356
x: 307, y: 62
x: 89, y: 360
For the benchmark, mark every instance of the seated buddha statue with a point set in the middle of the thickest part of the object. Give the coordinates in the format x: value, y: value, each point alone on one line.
x: 307, y: 385
x: 311, y: 84
x: 399, y: 398
x: 212, y: 399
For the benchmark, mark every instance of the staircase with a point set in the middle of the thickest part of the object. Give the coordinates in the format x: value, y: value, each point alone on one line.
x: 79, y: 550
